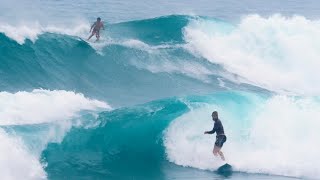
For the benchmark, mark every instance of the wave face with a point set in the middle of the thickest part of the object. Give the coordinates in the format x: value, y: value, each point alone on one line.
x: 138, y: 141
x: 144, y: 56
x: 259, y: 74
x: 127, y: 143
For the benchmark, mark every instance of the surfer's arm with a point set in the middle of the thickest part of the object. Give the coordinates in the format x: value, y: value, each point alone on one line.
x: 92, y: 26
x: 211, y: 132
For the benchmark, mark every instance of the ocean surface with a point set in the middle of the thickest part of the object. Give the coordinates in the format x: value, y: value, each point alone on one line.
x: 135, y: 104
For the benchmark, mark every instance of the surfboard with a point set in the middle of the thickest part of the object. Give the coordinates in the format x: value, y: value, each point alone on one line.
x: 225, y: 170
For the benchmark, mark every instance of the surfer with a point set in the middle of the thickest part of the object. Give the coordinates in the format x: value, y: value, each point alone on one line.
x: 95, y: 28
x: 220, y: 138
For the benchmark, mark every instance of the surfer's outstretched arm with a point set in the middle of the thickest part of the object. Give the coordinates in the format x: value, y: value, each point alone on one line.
x: 92, y: 26
x: 211, y: 132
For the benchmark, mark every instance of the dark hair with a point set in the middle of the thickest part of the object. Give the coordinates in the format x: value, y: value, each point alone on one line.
x: 215, y: 113
x: 99, y: 19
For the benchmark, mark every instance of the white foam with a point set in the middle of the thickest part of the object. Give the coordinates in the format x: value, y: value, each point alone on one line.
x: 284, y: 136
x: 16, y: 162
x: 277, y: 53
x: 279, y: 136
x: 22, y: 32
x: 161, y: 61
x: 42, y: 106
x: 31, y: 31
x: 185, y: 142
x: 20, y: 160
x: 137, y: 44
x: 191, y: 69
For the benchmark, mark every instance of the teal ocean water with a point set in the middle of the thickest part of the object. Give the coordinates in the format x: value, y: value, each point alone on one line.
x: 135, y: 104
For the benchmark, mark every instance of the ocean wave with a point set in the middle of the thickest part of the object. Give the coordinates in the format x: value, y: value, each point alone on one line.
x: 273, y: 51
x: 139, y: 61
x: 262, y: 134
x: 60, y: 61
x: 127, y: 143
x: 153, y: 31
x: 30, y: 120
x: 32, y: 31
x: 277, y: 53
x: 172, y: 129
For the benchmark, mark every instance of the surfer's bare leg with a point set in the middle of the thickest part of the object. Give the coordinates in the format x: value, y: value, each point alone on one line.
x: 98, y: 35
x: 217, y: 151
x: 221, y: 155
x: 90, y: 36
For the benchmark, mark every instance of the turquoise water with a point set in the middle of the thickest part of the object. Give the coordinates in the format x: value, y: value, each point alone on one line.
x: 135, y: 105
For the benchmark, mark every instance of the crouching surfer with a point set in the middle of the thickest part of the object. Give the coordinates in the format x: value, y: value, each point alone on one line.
x: 220, y: 138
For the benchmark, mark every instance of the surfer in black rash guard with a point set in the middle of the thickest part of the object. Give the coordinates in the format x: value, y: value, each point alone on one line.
x: 220, y: 138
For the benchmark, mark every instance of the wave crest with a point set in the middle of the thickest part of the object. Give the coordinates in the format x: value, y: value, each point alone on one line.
x: 277, y: 53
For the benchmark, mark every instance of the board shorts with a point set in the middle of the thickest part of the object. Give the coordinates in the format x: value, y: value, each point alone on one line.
x: 96, y: 31
x: 220, y: 140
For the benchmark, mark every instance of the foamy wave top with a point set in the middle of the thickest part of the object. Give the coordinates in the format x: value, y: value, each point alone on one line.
x: 31, y: 31
x: 277, y: 53
x: 43, y: 106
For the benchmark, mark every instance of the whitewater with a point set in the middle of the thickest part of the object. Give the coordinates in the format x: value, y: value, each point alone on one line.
x: 135, y: 104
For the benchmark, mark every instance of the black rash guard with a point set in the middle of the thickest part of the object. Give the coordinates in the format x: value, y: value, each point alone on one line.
x: 218, y: 128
